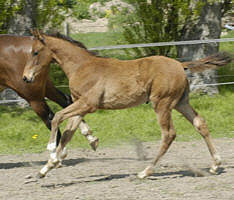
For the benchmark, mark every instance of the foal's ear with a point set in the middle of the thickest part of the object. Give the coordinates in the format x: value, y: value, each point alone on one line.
x: 38, y: 35
x: 55, y: 57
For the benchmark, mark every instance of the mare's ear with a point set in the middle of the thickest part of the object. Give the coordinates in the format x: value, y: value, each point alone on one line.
x: 38, y: 35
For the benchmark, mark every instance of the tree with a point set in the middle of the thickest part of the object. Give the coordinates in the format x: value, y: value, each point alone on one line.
x: 18, y: 16
x: 166, y: 20
x: 156, y: 21
x: 8, y: 9
x: 206, y: 26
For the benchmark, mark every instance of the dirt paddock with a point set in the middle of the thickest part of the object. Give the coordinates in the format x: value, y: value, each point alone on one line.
x: 110, y: 173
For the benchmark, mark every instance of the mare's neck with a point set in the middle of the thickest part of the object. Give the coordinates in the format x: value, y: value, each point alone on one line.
x: 70, y: 55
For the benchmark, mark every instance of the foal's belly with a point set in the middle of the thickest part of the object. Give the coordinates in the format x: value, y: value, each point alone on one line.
x: 121, y: 100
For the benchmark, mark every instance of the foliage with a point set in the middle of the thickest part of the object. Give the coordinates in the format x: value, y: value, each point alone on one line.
x: 150, y: 25
x: 49, y: 13
x: 161, y: 21
x: 81, y: 10
x: 8, y: 9
x: 117, y: 18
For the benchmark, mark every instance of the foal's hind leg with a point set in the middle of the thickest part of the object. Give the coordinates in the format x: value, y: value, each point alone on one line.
x: 199, y: 123
x: 168, y: 135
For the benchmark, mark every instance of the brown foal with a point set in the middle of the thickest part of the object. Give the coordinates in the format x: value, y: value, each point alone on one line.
x: 107, y: 83
x: 14, y: 54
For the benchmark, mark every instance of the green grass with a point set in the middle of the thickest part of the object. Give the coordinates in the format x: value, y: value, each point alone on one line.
x: 18, y: 126
x: 105, y: 39
x: 115, y: 127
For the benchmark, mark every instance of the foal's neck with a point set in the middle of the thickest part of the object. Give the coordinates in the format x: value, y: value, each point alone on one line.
x: 71, y: 56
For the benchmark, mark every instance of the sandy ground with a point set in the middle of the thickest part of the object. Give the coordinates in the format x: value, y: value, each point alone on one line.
x: 110, y: 173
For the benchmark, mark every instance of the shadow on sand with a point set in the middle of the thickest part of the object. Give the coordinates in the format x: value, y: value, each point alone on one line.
x: 131, y: 177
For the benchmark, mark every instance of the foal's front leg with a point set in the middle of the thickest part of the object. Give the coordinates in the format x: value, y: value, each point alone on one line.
x: 64, y: 100
x: 78, y: 108
x: 57, y: 156
x: 83, y: 126
x: 85, y: 131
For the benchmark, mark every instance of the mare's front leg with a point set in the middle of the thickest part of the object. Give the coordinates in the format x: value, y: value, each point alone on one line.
x: 45, y: 113
x: 78, y: 108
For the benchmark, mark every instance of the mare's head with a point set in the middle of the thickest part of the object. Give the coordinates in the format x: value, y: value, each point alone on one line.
x: 39, y: 59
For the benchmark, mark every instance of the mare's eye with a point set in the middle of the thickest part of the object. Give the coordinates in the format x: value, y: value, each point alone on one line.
x: 35, y: 53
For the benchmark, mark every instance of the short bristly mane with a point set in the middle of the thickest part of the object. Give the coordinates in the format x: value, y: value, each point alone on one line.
x: 75, y: 42
x: 67, y: 38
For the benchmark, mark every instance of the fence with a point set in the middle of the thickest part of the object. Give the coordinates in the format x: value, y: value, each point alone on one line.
x: 190, y: 42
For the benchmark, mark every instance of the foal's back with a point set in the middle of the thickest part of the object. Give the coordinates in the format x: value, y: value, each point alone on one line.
x: 167, y: 72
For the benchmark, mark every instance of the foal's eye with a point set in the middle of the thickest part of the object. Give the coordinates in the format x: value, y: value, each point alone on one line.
x: 35, y: 53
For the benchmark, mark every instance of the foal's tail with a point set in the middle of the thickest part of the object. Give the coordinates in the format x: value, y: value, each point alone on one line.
x: 211, y: 62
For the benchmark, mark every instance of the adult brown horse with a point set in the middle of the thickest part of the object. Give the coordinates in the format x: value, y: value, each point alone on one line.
x: 107, y: 83
x: 14, y: 54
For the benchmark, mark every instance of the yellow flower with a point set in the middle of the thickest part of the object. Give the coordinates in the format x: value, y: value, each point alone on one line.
x: 34, y: 136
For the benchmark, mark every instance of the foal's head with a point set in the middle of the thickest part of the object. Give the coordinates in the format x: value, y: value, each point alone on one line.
x: 39, y: 59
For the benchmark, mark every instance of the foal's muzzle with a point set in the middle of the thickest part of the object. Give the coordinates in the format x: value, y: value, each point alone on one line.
x: 25, y: 79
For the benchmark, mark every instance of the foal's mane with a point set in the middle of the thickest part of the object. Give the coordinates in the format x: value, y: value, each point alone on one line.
x: 69, y: 39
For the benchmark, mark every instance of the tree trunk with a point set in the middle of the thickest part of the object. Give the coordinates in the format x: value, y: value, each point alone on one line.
x: 21, y: 24
x: 208, y: 26
x: 25, y: 19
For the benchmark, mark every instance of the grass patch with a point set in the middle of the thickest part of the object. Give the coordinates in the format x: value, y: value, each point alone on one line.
x: 106, y: 39
x: 115, y: 127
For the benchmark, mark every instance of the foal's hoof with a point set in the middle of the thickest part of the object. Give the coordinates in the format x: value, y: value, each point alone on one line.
x: 147, y: 172
x: 214, y: 170
x: 94, y: 143
x: 40, y: 175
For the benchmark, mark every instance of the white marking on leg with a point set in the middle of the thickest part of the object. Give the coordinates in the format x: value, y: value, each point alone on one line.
x: 146, y: 172
x: 44, y: 170
x: 91, y: 138
x: 197, y: 122
x: 84, y: 128
x: 53, y: 156
x: 217, y: 159
x: 64, y: 153
x: 51, y: 146
x: 214, y: 169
